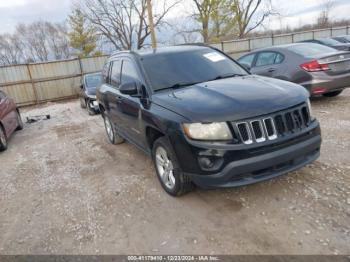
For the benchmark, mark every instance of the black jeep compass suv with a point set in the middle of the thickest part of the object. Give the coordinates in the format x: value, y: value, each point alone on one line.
x: 204, y: 119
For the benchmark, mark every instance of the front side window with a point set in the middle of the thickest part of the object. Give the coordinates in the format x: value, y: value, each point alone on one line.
x: 247, y: 60
x: 166, y: 70
x: 129, y: 73
x: 115, y: 73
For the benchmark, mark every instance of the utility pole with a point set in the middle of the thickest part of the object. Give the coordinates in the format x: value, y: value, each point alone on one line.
x: 151, y: 25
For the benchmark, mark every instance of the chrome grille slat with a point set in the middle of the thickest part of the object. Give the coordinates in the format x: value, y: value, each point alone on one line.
x: 271, y: 127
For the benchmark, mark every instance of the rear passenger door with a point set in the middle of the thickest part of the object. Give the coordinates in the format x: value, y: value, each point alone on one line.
x: 112, y: 93
x: 268, y: 64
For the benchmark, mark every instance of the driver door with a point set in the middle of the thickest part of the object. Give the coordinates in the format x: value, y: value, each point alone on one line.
x: 130, y: 107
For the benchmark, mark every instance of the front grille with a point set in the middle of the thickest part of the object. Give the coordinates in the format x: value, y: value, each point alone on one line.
x: 273, y: 126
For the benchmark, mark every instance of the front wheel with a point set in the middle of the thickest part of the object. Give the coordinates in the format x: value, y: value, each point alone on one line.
x: 82, y: 103
x: 3, y: 139
x: 112, y: 134
x: 172, y: 179
x: 333, y: 94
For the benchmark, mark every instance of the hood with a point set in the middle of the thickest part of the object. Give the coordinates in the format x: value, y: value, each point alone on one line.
x: 232, y: 99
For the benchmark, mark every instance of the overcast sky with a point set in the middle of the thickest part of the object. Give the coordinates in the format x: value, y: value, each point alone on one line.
x: 295, y: 12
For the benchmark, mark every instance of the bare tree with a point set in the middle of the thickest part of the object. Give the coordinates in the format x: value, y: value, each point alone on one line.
x: 11, y: 51
x: 247, y: 15
x: 57, y: 40
x: 205, y: 11
x: 324, y: 17
x: 123, y: 22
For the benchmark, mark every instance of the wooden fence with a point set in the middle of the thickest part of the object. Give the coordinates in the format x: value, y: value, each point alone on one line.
x: 35, y: 83
x: 237, y: 48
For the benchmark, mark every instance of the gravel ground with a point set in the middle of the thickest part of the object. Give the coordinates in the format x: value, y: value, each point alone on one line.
x: 65, y: 190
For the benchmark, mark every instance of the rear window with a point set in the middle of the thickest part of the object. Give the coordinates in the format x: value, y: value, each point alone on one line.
x: 93, y: 81
x: 311, y: 50
x: 329, y: 41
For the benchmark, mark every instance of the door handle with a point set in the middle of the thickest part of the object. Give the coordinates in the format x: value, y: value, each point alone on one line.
x: 270, y: 70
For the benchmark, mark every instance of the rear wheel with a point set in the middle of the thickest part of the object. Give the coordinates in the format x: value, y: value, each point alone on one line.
x: 171, y: 177
x: 333, y: 94
x: 3, y: 139
x: 112, y: 134
x: 19, y: 121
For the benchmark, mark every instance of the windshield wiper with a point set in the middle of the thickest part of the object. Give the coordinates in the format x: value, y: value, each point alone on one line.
x: 225, y: 76
x: 179, y: 85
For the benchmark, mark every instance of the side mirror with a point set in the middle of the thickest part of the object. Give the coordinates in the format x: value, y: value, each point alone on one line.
x: 81, y: 86
x: 129, y: 88
x: 246, y: 66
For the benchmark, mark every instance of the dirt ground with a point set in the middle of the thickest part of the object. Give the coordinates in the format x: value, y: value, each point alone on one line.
x: 65, y: 190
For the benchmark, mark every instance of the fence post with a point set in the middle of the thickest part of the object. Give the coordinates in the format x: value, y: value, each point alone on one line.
x: 80, y: 66
x: 313, y: 34
x: 33, y: 85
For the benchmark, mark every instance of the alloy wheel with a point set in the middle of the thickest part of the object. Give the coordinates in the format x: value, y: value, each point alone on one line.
x: 165, y: 168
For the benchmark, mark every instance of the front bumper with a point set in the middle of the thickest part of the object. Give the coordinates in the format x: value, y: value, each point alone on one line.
x: 262, y: 167
x: 93, y: 104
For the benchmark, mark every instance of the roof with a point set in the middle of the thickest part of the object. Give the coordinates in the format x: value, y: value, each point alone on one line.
x: 281, y: 46
x: 164, y: 50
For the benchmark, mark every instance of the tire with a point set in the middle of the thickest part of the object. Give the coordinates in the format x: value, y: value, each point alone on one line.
x: 169, y: 173
x: 82, y: 103
x: 90, y: 110
x: 113, y: 137
x: 3, y: 139
x: 333, y: 94
x: 19, y: 121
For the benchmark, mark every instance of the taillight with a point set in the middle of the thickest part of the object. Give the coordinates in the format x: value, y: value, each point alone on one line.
x: 314, y: 66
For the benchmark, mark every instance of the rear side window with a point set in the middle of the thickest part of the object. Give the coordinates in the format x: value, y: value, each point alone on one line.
x: 311, y: 50
x: 269, y: 58
x: 115, y: 73
x: 247, y: 60
x: 129, y: 73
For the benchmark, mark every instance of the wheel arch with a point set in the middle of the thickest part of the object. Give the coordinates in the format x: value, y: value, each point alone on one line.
x: 152, y: 134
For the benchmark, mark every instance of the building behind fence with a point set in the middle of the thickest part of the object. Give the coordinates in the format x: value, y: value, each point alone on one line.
x: 49, y: 81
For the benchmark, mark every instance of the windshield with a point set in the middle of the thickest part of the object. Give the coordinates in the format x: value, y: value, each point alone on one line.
x: 93, y: 81
x: 311, y: 50
x: 173, y: 70
x: 329, y: 41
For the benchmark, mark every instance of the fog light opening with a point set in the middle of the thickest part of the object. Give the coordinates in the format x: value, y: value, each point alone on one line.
x: 206, y: 162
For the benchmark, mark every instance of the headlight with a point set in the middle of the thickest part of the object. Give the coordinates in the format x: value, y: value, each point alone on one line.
x: 310, y: 109
x: 211, y: 131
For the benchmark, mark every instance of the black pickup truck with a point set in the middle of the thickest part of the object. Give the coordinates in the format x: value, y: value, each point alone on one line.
x: 204, y: 119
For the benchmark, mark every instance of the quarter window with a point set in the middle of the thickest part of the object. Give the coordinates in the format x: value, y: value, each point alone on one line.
x: 105, y: 72
x: 2, y: 95
x: 115, y: 73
